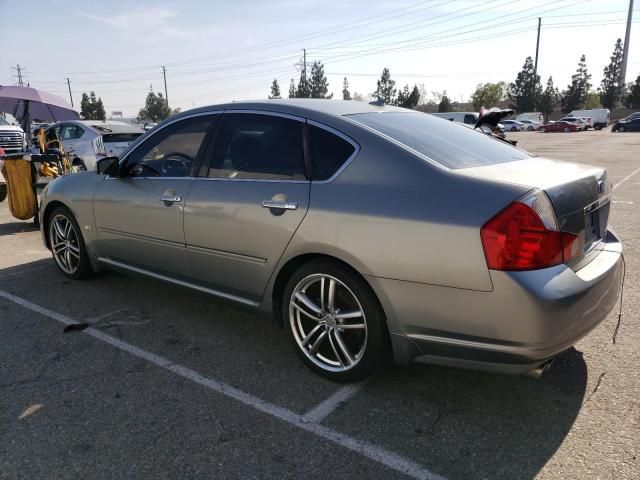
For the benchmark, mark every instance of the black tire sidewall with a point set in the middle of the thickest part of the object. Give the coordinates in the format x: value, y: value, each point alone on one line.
x: 378, y: 345
x: 84, y: 269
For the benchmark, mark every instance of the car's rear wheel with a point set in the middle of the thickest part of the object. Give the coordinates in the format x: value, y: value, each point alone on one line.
x: 67, y: 245
x: 566, y: 130
x: 542, y: 129
x: 514, y: 129
x: 530, y: 128
x: 335, y: 321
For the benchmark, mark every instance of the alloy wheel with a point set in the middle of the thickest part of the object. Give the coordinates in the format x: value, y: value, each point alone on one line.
x: 64, y: 243
x: 328, y: 322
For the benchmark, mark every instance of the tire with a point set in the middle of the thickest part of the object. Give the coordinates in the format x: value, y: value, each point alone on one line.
x: 341, y: 354
x: 78, y: 165
x: 542, y: 130
x: 3, y: 192
x: 530, y: 129
x: 620, y: 129
x: 73, y: 258
x: 514, y: 129
x: 566, y: 130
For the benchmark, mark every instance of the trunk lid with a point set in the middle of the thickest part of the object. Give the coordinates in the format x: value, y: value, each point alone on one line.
x: 580, y: 194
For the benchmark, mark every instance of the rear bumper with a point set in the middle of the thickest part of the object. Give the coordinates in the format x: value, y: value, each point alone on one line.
x: 528, y: 318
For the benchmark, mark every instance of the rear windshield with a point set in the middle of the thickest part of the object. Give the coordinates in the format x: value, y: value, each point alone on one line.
x: 119, y: 137
x: 448, y: 143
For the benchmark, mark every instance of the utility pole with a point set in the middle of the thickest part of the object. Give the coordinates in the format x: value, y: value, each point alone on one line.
x: 19, y: 75
x: 69, y: 85
x: 625, y: 49
x: 535, y: 68
x: 304, y: 62
x: 164, y: 74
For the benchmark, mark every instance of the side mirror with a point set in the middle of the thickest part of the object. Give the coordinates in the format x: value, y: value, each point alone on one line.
x: 108, y: 166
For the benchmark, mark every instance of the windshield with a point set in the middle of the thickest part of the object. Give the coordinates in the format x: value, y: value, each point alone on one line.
x: 450, y: 144
x: 3, y: 121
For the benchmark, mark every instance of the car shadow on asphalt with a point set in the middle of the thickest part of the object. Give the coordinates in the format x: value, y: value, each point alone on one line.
x: 17, y: 227
x: 458, y: 423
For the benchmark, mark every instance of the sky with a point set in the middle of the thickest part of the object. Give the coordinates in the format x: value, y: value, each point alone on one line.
x: 217, y: 51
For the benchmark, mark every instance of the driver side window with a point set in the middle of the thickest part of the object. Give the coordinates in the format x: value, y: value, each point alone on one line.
x: 172, y: 151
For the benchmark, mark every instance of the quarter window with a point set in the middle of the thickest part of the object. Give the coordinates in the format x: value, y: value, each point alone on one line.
x: 172, y: 151
x: 253, y: 146
x: 70, y: 132
x: 328, y: 151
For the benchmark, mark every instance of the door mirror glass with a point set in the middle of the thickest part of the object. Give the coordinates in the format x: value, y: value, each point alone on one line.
x: 107, y: 166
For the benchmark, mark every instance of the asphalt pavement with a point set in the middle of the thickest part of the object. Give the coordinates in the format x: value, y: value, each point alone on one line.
x: 170, y: 383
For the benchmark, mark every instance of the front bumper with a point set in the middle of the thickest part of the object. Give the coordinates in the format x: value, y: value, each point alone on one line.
x: 528, y: 317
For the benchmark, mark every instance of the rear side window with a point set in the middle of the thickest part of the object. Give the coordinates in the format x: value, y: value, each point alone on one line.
x: 329, y: 152
x: 253, y: 146
x: 451, y: 145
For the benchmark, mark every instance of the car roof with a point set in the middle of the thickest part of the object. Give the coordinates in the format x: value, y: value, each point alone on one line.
x: 300, y: 106
x: 107, y: 126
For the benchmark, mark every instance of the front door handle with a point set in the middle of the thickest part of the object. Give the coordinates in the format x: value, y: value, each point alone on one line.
x: 170, y: 198
x: 280, y: 205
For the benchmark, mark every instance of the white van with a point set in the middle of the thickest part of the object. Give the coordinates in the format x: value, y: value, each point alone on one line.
x: 470, y: 118
x: 600, y: 117
x: 533, y: 116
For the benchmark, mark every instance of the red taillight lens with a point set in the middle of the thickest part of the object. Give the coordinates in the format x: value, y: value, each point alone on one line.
x: 517, y: 239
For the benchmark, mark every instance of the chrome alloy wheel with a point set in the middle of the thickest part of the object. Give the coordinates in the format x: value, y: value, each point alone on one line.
x: 328, y: 322
x: 64, y: 244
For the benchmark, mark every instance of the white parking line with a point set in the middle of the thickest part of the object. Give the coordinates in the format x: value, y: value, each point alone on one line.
x: 326, y: 407
x: 626, y: 178
x: 385, y: 457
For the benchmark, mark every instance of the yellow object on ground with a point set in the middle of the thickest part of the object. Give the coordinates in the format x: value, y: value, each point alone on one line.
x: 22, y: 200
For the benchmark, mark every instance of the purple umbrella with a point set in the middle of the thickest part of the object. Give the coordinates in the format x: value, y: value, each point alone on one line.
x: 27, y: 102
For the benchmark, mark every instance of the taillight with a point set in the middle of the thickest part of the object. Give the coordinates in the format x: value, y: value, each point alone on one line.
x: 525, y: 236
x: 98, y: 147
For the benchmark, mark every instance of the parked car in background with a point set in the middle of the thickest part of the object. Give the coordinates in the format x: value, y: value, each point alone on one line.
x: 149, y: 126
x: 86, y: 141
x: 560, y: 126
x: 582, y: 125
x: 513, y: 126
x: 600, y: 117
x: 533, y: 116
x: 468, y: 118
x: 531, y: 124
x: 277, y: 205
x: 631, y: 125
x: 630, y: 117
x: 12, y: 137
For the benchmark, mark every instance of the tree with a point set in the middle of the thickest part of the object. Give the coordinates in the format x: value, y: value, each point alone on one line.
x: 488, y: 94
x: 275, y: 89
x: 610, y: 88
x: 408, y: 98
x: 358, y: 97
x: 304, y: 89
x: 346, y: 95
x: 526, y: 90
x: 592, y: 101
x: 156, y: 108
x: 549, y: 100
x: 292, y: 89
x: 634, y: 97
x: 318, y: 84
x: 91, y: 108
x: 575, y: 97
x: 445, y: 103
x: 386, y: 90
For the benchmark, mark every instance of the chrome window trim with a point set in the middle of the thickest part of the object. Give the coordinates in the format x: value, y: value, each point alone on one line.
x: 267, y: 112
x: 347, y: 162
x: 263, y: 180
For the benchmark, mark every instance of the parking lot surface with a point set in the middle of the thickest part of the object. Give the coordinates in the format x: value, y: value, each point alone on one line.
x: 170, y: 383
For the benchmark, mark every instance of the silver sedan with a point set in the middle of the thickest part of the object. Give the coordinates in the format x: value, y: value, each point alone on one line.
x: 368, y: 231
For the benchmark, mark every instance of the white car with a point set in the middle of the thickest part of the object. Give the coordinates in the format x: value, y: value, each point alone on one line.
x: 531, y: 125
x: 87, y: 141
x: 513, y: 126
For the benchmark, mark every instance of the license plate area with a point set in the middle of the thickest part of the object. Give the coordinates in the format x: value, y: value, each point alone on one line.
x: 595, y: 222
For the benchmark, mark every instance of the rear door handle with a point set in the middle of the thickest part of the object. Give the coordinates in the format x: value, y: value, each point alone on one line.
x: 280, y: 205
x: 170, y: 198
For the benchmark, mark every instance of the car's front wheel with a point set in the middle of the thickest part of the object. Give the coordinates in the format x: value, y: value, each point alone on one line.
x: 335, y: 321
x: 67, y: 245
x: 620, y: 129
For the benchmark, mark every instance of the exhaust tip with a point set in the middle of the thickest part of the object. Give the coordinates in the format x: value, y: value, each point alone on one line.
x: 539, y: 370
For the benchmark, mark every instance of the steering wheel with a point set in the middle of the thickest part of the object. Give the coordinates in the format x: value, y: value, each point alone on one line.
x: 175, y: 160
